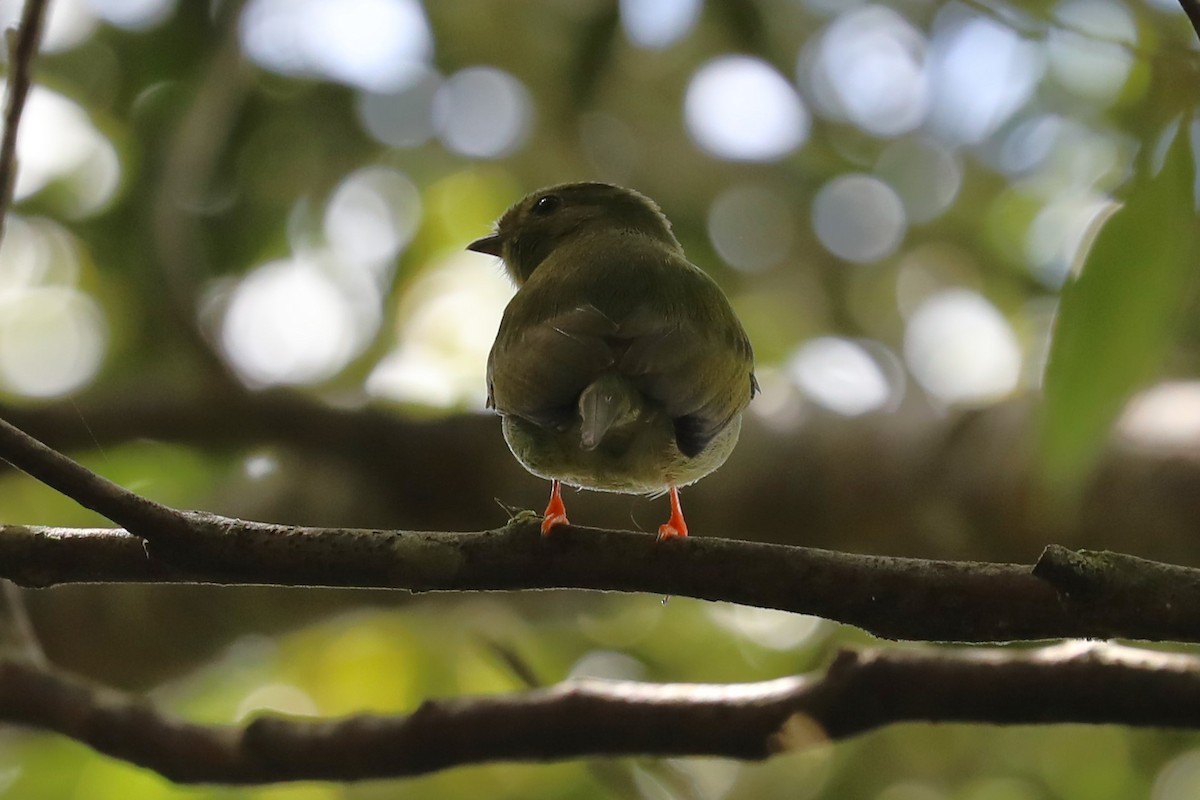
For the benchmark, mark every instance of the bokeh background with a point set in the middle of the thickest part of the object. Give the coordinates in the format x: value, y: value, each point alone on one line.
x: 235, y: 280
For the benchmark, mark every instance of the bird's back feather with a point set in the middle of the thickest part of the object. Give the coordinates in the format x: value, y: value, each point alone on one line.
x: 619, y: 303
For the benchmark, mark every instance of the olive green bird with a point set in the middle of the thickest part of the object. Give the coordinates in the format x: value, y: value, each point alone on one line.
x: 619, y: 365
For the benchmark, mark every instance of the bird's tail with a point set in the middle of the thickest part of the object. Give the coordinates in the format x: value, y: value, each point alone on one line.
x: 609, y: 402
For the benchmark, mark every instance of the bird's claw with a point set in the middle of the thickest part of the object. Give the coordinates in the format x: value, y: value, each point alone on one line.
x: 550, y: 521
x: 669, y: 531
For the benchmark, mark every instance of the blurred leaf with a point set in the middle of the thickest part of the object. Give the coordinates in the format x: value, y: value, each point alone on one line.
x: 1117, y: 320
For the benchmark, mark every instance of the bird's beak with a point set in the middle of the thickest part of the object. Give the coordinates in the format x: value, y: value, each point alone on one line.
x: 491, y: 245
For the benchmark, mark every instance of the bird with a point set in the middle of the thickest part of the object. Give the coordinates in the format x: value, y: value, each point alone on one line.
x: 618, y: 365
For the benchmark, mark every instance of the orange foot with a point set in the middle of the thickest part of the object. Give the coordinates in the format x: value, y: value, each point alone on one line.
x: 556, y: 512
x: 675, y: 526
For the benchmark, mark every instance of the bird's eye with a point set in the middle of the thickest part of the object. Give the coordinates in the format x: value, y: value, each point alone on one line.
x: 547, y: 205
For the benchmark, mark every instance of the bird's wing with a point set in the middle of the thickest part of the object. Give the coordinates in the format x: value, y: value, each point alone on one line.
x: 650, y: 315
x: 697, y: 363
x: 538, y: 369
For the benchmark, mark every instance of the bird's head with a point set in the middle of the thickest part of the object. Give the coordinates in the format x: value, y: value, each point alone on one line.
x: 548, y: 218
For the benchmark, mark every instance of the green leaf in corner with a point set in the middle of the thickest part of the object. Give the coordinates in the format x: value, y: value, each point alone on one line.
x: 1117, y: 319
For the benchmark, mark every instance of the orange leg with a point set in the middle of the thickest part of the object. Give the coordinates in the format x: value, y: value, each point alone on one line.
x: 556, y: 512
x: 675, y: 526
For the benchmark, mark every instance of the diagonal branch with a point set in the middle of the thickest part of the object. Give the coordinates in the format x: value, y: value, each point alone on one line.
x: 85, y: 487
x: 861, y: 691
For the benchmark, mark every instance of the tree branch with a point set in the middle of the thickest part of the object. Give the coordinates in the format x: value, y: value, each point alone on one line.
x: 861, y: 691
x: 85, y: 487
x: 22, y: 47
x: 942, y: 487
x: 1066, y: 594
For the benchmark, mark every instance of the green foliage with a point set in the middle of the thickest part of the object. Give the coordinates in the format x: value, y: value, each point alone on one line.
x: 1118, y: 320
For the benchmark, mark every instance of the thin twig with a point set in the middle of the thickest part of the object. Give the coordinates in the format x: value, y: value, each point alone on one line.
x: 861, y: 691
x: 1028, y: 25
x: 22, y: 47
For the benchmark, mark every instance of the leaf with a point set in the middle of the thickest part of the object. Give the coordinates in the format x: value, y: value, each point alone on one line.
x: 1117, y: 320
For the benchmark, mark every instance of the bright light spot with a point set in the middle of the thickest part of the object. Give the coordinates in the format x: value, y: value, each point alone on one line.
x: 926, y: 176
x: 377, y: 45
x: 57, y: 142
x: 705, y: 778
x: 766, y: 627
x: 260, y: 466
x: 403, y: 118
x: 52, y: 336
x: 859, y: 218
x: 840, y: 375
x: 740, y: 108
x: 136, y: 15
x: 68, y: 23
x: 870, y: 70
x: 830, y: 8
x: 292, y: 322
x: 1164, y: 416
x: 982, y: 72
x: 658, y: 23
x: 779, y: 406
x: 607, y: 665
x: 482, y: 112
x: 620, y: 629
x: 1085, y: 156
x: 449, y: 318
x: 92, y: 185
x: 372, y: 216
x: 1030, y: 143
x: 751, y: 227
x: 52, y: 340
x: 1093, y: 63
x: 1179, y: 779
x: 1054, y: 242
x: 9, y: 775
x: 36, y: 252
x: 961, y: 349
x: 282, y: 698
